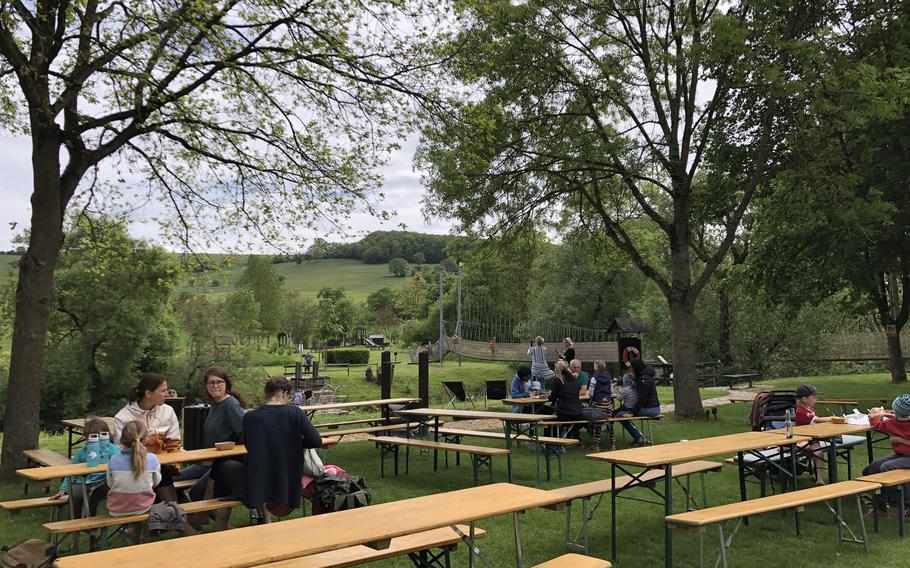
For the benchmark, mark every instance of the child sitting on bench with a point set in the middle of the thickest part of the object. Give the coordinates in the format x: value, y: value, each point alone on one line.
x: 806, y: 395
x: 897, y: 425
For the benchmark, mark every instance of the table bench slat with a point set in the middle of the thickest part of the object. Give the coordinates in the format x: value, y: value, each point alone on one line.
x: 463, y: 448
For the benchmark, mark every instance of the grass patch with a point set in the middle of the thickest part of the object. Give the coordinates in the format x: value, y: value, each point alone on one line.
x: 640, y: 527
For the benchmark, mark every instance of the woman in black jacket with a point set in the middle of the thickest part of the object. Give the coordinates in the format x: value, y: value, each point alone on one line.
x: 648, y: 403
x: 564, y: 395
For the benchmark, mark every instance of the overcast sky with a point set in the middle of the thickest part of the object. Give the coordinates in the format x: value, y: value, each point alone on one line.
x: 402, y: 188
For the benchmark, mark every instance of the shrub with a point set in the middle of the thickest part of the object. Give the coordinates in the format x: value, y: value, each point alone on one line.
x: 354, y: 356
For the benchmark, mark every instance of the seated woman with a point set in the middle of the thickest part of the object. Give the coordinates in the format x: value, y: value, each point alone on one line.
x: 642, y: 402
x: 521, y: 388
x: 224, y: 423
x: 276, y: 434
x: 146, y: 406
x: 564, y: 396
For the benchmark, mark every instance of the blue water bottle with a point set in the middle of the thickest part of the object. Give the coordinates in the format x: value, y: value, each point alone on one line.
x: 93, y: 451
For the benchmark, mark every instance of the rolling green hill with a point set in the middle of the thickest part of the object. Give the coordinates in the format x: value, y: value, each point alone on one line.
x: 357, y: 278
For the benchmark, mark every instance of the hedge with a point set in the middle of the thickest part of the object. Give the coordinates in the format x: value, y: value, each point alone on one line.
x: 353, y: 355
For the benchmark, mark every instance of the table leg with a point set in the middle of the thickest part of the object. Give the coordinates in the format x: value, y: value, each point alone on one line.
x: 613, y: 514
x: 471, y: 546
x: 668, y: 510
x: 832, y: 461
x: 69, y: 445
x: 436, y: 440
x: 515, y: 522
x: 741, y: 466
x: 508, y: 429
x: 869, y: 446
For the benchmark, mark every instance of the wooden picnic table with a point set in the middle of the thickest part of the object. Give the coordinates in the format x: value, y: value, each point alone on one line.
x: 829, y: 432
x: 745, y: 377
x: 663, y: 456
x: 514, y: 425
x: 81, y: 469
x: 313, y: 409
x: 261, y: 544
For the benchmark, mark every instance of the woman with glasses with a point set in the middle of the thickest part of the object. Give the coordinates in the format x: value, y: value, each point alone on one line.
x: 224, y: 423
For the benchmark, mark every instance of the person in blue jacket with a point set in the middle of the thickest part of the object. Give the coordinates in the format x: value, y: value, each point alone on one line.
x: 521, y: 386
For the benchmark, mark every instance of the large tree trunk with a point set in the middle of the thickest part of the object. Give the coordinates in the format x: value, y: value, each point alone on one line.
x: 34, y: 300
x: 725, y: 350
x: 686, y: 397
x: 896, y: 359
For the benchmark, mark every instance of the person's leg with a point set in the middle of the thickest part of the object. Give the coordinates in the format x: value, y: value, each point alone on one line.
x: 228, y: 473
x: 77, y: 494
x: 628, y: 425
x: 166, y: 491
x: 899, y: 462
x: 878, y: 466
x: 97, y: 493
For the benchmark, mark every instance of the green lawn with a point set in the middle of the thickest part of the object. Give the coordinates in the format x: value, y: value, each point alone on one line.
x: 357, y: 278
x: 767, y: 541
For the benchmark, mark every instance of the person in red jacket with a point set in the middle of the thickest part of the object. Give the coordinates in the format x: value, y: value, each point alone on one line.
x: 806, y: 395
x: 897, y: 425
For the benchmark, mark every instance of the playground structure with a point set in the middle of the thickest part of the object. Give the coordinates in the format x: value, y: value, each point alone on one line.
x: 586, y: 351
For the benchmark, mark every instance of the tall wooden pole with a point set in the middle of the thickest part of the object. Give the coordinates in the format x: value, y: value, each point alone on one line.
x: 423, y: 378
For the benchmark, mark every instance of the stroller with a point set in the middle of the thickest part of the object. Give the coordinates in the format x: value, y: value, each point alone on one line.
x: 770, y: 408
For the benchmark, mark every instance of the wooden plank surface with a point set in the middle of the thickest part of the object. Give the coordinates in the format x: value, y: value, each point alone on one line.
x: 663, y: 454
x: 60, y: 471
x: 447, y: 446
x: 572, y: 560
x: 354, y: 555
x: 261, y: 544
x: 777, y: 502
x: 356, y: 404
x: 823, y: 430
x: 476, y: 414
x: 888, y: 478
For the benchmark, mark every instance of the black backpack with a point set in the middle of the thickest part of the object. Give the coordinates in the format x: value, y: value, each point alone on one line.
x: 32, y: 553
x: 337, y: 493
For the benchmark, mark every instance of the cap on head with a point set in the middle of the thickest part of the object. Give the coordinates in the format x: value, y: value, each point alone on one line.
x: 901, y: 406
x: 805, y: 390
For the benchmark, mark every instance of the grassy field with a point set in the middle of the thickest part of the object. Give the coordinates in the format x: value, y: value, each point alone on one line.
x: 357, y: 278
x: 767, y: 540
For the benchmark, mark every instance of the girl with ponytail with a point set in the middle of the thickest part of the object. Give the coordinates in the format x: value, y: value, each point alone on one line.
x: 133, y: 474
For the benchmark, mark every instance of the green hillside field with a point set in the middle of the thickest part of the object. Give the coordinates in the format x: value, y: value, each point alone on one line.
x: 357, y: 278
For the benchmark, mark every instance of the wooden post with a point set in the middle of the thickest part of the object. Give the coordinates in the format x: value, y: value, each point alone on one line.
x: 423, y: 378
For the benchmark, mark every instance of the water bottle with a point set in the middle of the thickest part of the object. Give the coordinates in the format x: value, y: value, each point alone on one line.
x: 788, y: 426
x: 93, y: 451
x: 105, y: 439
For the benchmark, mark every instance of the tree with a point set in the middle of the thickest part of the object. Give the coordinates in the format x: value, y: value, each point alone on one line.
x: 336, y: 315
x: 609, y: 111
x: 113, y: 294
x: 265, y: 285
x: 399, y: 267
x: 241, y: 312
x: 419, y: 258
x: 241, y: 115
x: 300, y: 316
x: 839, y: 217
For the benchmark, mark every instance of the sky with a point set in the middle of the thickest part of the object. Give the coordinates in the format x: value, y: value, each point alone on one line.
x: 402, y: 188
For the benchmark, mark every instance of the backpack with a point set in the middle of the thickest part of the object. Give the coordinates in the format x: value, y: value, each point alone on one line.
x: 32, y: 553
x: 338, y: 493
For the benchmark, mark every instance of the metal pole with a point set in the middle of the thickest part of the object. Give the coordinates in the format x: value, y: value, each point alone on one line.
x: 458, y: 312
x: 442, y: 325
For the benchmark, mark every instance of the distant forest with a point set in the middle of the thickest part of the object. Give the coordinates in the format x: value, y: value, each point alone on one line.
x: 380, y: 247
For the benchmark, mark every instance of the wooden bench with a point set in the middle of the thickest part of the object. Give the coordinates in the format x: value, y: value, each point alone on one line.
x: 562, y: 432
x: 23, y: 504
x: 102, y: 522
x: 44, y: 458
x: 369, y: 430
x: 574, y: 561
x: 419, y: 547
x: 370, y: 421
x: 602, y: 487
x: 796, y: 500
x: 481, y: 456
x: 550, y: 446
x: 894, y: 478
